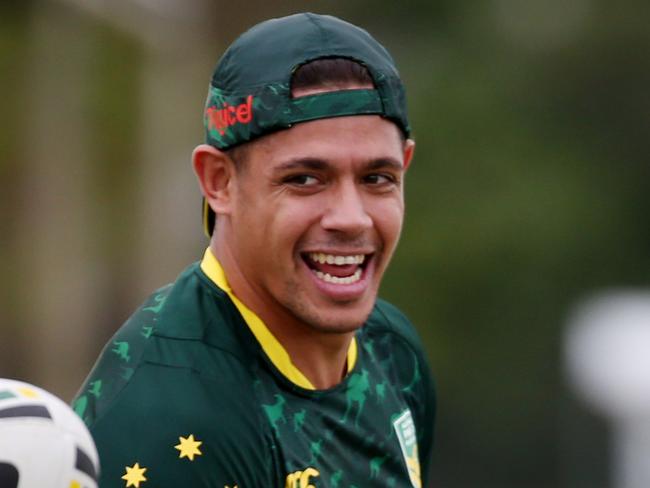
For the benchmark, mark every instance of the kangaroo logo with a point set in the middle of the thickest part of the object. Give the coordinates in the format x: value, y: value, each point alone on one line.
x: 122, y: 350
x: 275, y: 411
x: 356, y: 394
x: 375, y: 465
x: 160, y: 303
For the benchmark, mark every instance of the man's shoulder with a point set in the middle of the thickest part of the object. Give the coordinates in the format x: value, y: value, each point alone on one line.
x: 386, y: 318
x: 395, y: 341
x: 188, y: 325
x: 173, y: 393
x: 184, y: 309
x: 189, y: 313
x: 164, y: 418
x: 176, y: 381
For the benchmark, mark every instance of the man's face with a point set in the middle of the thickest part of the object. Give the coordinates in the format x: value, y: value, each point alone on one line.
x: 316, y: 214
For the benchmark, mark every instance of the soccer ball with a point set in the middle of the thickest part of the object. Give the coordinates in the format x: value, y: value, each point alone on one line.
x: 43, y: 443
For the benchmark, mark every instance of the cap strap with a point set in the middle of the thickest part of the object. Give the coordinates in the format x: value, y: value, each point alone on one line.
x: 334, y: 104
x: 232, y: 119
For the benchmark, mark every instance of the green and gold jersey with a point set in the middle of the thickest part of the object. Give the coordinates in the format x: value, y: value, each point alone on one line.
x: 194, y: 391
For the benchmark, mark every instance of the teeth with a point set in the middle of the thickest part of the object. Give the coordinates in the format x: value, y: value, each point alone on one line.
x: 319, y: 257
x: 347, y: 280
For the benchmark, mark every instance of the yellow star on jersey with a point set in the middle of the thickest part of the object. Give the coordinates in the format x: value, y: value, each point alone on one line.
x: 134, y: 476
x: 189, y: 447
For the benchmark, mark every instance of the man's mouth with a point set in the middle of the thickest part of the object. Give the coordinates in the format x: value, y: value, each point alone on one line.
x: 338, y: 269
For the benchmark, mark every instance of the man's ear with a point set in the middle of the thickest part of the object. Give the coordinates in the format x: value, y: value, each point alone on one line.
x: 409, y: 149
x: 214, y: 170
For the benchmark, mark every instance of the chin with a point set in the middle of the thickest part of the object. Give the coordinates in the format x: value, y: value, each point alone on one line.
x: 337, y: 321
x: 322, y: 314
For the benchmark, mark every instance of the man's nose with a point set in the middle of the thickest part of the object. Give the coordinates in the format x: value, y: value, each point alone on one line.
x: 346, y: 211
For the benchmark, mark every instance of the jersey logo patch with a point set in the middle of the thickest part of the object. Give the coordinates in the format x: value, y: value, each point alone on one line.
x: 405, y: 429
x: 301, y: 479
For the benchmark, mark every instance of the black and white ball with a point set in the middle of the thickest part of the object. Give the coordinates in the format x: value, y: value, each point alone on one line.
x: 43, y: 443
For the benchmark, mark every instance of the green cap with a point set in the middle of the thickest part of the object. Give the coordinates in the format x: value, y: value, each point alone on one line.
x: 250, y: 90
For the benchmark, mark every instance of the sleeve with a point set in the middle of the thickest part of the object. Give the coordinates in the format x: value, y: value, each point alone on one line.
x: 170, y: 427
x: 411, y: 362
x: 118, y: 360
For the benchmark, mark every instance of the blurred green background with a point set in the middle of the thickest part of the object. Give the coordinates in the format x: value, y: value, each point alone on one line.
x: 530, y: 191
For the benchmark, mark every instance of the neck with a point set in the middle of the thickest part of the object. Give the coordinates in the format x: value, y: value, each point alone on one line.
x: 321, y: 357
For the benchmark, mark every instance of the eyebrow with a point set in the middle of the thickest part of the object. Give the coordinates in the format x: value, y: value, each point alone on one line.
x: 386, y: 163
x: 318, y: 164
x: 300, y: 163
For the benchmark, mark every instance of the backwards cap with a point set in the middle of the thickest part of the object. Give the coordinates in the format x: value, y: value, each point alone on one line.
x: 250, y: 90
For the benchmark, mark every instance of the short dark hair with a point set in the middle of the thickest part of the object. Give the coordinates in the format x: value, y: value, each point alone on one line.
x: 334, y: 72
x: 324, y: 72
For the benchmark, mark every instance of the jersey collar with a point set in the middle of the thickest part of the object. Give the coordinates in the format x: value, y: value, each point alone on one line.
x: 271, y: 346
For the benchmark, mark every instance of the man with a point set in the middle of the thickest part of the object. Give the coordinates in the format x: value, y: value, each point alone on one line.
x: 271, y: 363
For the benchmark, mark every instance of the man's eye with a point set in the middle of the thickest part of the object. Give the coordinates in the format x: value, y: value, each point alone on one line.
x: 302, y: 180
x: 379, y: 179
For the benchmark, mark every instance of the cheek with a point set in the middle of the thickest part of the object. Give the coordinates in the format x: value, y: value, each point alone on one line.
x: 249, y: 226
x: 292, y: 219
x: 388, y: 221
x: 282, y: 224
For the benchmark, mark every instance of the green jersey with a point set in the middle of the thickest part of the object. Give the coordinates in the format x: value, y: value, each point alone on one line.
x: 194, y: 391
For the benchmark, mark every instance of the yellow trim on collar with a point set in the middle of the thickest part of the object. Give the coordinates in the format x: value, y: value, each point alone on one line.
x: 271, y: 346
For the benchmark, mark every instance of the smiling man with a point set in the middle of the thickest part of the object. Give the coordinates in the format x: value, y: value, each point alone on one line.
x: 272, y: 363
